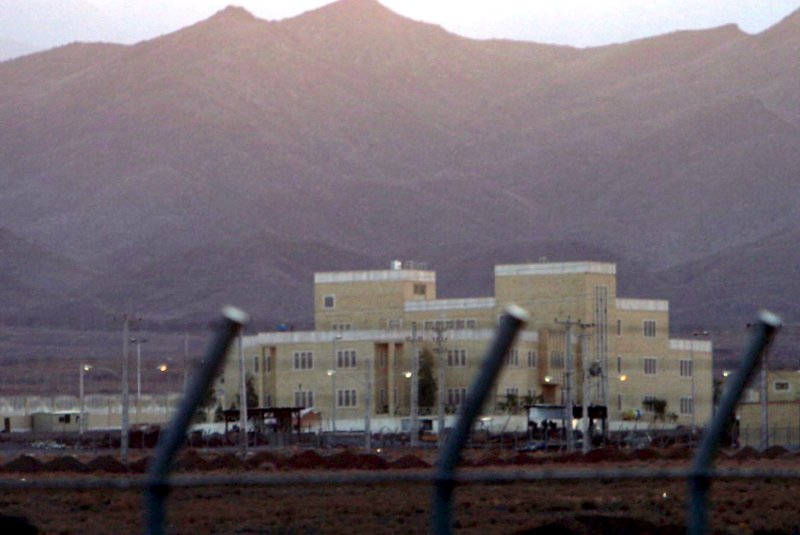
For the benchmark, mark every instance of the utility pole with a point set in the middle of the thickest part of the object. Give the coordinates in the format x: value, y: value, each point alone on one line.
x: 368, y: 405
x: 81, y: 421
x: 440, y: 351
x: 570, y: 372
x: 125, y: 424
x: 414, y: 433
x: 242, y: 398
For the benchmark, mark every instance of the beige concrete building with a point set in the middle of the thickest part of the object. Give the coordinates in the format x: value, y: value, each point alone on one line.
x: 621, y: 345
x: 783, y: 411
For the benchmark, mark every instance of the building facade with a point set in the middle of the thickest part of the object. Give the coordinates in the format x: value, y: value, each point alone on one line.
x: 582, y: 340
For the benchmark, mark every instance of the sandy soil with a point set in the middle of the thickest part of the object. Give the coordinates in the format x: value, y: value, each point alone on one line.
x: 752, y: 506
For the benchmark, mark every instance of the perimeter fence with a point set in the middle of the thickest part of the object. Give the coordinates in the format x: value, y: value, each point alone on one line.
x: 445, y: 476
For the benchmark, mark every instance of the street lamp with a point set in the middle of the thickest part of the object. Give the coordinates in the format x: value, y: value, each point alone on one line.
x: 695, y: 334
x: 81, y: 425
x: 84, y: 369
x: 332, y: 375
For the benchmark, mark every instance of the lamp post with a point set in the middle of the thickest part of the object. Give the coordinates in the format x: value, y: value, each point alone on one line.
x: 125, y: 424
x: 414, y: 434
x: 138, y: 342
x: 695, y: 334
x: 84, y: 369
x: 332, y: 373
x: 82, y: 417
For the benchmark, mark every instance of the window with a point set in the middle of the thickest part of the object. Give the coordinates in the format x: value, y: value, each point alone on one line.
x: 304, y: 398
x: 649, y: 328
x: 781, y: 386
x: 382, y: 397
x: 346, y: 398
x: 512, y: 392
x: 619, y: 402
x: 255, y: 364
x: 687, y: 405
x: 394, y: 324
x: 512, y: 358
x: 268, y: 363
x: 303, y: 360
x: 456, y: 396
x: 419, y: 289
x: 619, y: 364
x: 382, y: 358
x: 460, y: 324
x: 647, y: 403
x: 532, y: 394
x: 346, y: 358
x: 457, y: 358
x: 686, y: 368
x: 329, y: 301
x: 268, y: 400
x: 649, y: 365
x: 472, y: 324
x: 619, y: 327
x: 340, y: 326
x: 531, y: 359
x: 556, y: 359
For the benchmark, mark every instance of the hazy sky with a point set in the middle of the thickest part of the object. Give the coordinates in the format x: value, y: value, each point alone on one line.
x: 575, y: 22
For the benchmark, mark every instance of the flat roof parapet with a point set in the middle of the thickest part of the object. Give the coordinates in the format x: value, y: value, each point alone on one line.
x: 469, y: 303
x: 678, y: 344
x: 383, y: 275
x: 646, y: 305
x: 560, y: 268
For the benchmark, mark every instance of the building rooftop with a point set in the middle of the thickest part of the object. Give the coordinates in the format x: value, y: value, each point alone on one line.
x: 559, y: 268
x: 381, y: 275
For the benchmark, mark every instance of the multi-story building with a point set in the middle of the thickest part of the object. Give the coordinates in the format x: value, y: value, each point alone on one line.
x: 579, y: 328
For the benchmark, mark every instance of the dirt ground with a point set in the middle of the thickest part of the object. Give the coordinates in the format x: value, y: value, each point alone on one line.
x: 603, y: 506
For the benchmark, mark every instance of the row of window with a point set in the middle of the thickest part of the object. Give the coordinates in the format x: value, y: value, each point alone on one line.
x: 304, y: 360
x: 305, y: 398
x: 685, y: 405
x: 454, y: 324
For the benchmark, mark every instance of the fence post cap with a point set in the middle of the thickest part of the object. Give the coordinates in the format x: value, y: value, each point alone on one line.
x: 518, y: 312
x: 236, y: 315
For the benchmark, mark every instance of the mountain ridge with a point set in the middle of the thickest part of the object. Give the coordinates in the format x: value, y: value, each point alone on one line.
x: 368, y: 135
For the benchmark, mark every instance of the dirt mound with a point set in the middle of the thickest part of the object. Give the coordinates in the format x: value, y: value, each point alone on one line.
x: 191, y: 461
x: 227, y: 461
x: 574, y: 457
x: 774, y: 452
x: 645, y: 454
x: 347, y: 460
x: 106, y: 463
x: 490, y: 459
x: 523, y: 458
x: 24, y: 463
x: 369, y: 461
x: 65, y: 464
x: 407, y: 462
x: 18, y: 525
x: 602, y: 525
x: 603, y: 455
x: 264, y: 457
x: 305, y: 460
x: 678, y: 453
x: 745, y: 454
x: 139, y: 466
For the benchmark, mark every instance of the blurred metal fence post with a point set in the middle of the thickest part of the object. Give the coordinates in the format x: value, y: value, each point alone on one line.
x: 510, y: 324
x: 700, y: 476
x: 171, y: 441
